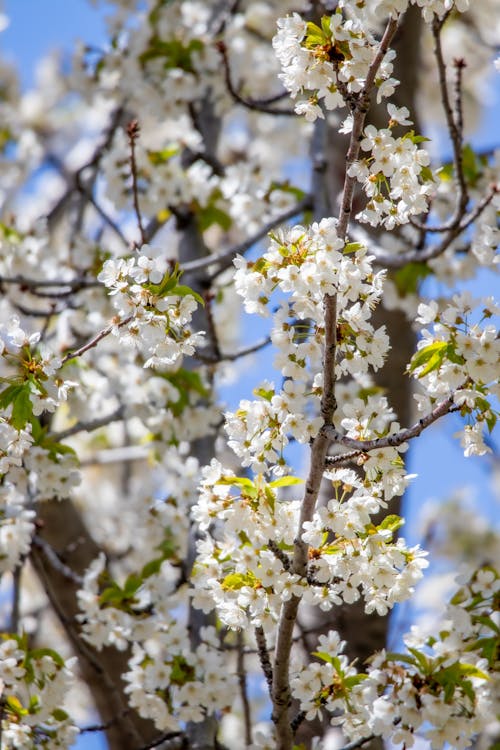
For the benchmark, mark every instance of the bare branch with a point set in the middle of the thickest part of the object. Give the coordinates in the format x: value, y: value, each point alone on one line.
x: 169, y: 740
x: 90, y: 426
x: 133, y: 132
x: 74, y: 180
x: 259, y: 105
x: 390, y: 260
x: 281, y: 695
x: 225, y: 259
x: 265, y: 661
x: 231, y: 357
x: 98, y: 337
x: 242, y: 681
x: 73, y: 285
x: 55, y: 561
x: 391, y: 441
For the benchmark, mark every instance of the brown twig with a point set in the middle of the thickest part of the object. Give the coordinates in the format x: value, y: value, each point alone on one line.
x: 242, y: 681
x: 98, y: 337
x: 232, y: 356
x: 133, y: 132
x: 90, y: 426
x: 454, y: 121
x: 259, y: 105
x: 55, y: 561
x: 391, y: 441
x: 390, y: 260
x: 265, y: 661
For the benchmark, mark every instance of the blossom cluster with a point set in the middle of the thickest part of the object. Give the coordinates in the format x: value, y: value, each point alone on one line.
x: 177, y: 554
x: 243, y: 564
x: 395, y: 176
x: 34, y: 684
x: 442, y: 688
x: 459, y: 357
x: 153, y: 309
x: 32, y: 467
x: 330, y: 63
x: 304, y: 264
x: 172, y: 682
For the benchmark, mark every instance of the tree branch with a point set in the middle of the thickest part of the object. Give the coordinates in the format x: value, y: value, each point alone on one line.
x: 90, y: 426
x: 391, y: 441
x: 259, y: 105
x: 225, y: 259
x: 98, y: 337
x: 281, y: 687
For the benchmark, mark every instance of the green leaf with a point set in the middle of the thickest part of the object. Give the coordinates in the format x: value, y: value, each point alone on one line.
x: 430, y: 357
x: 445, y: 173
x: 394, y: 656
x: 315, y: 36
x: 491, y: 420
x: 22, y: 408
x: 410, y: 135
x: 9, y: 233
x: 408, y: 278
x: 324, y: 656
x: 211, y: 215
x: 174, y: 53
x: 60, y: 715
x: 427, y: 175
x: 39, y: 653
x: 286, y: 187
x: 236, y: 581
x: 14, y: 704
x: 236, y: 481
x: 354, y: 680
x: 285, y: 482
x: 471, y: 671
x: 152, y: 567
x: 422, y: 660
x: 185, y: 291
x: 132, y: 584
x: 263, y: 393
x: 352, y: 247
x: 163, y: 156
x: 326, y: 25
x: 391, y: 522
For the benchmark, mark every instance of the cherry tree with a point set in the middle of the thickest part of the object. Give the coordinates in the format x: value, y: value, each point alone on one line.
x: 224, y: 180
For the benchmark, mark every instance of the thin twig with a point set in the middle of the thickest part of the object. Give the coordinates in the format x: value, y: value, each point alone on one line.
x: 225, y: 259
x: 358, y: 743
x: 133, y: 132
x: 74, y: 285
x: 393, y: 441
x: 86, y: 191
x: 259, y: 105
x: 179, y: 738
x: 390, y: 260
x: 90, y: 426
x: 454, y: 121
x: 93, y: 162
x: 242, y: 681
x: 232, y: 356
x: 105, y: 725
x: 98, y: 337
x: 55, y: 561
x: 279, y: 554
x: 265, y: 661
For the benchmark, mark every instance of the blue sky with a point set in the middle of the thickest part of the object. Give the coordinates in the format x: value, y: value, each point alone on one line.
x: 38, y: 26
